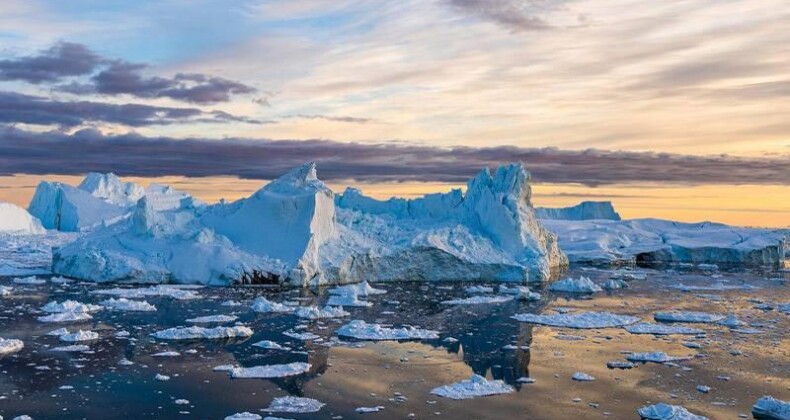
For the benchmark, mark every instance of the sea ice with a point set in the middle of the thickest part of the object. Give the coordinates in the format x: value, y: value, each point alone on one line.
x: 582, y: 377
x: 263, y: 305
x: 10, y: 345
x: 270, y: 371
x: 688, y: 316
x: 363, y: 331
x: 69, y: 306
x: 58, y: 332
x: 174, y: 292
x: 571, y: 285
x: 79, y: 336
x: 659, y: 329
x: 584, y: 320
x: 359, y: 289
x: 770, y: 408
x: 473, y: 290
x: 291, y: 404
x: 350, y: 300
x: 366, y: 410
x: 244, y: 416
x: 212, y: 319
x: 313, y: 312
x: 271, y: 345
x: 66, y: 317
x: 71, y: 348
x: 189, y: 333
x: 306, y: 336
x: 30, y: 281
x: 123, y: 304
x: 520, y: 292
x: 476, y: 386
x: 663, y: 411
x: 655, y: 357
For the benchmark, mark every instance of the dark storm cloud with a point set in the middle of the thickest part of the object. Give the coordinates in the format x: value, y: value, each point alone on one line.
x: 89, y: 150
x: 64, y: 59
x: 27, y: 109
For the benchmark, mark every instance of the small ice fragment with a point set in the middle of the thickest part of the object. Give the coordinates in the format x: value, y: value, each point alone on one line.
x: 244, y: 416
x: 65, y: 317
x: 271, y: 345
x: 582, y: 377
x: 189, y: 333
x: 10, y: 345
x: 688, y: 316
x: 124, y: 304
x: 663, y: 411
x: 359, y: 289
x: 263, y: 305
x: 362, y: 330
x: 365, y: 410
x: 619, y: 364
x: 212, y: 319
x: 655, y: 357
x: 306, y: 336
x: 478, y: 300
x: 314, y: 313
x: 476, y: 386
x: 703, y: 389
x: 72, y: 348
x: 79, y: 336
x: 125, y: 362
x: 31, y: 281
x: 582, y: 320
x: 291, y: 404
x: 161, y: 378
x: 473, y: 290
x: 614, y: 284
x: 659, y: 329
x: 525, y: 380
x: 571, y: 285
x: 166, y: 354
x: 348, y: 300
x: 58, y: 332
x: 270, y: 371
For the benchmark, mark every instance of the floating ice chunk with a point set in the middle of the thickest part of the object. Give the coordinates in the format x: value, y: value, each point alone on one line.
x: 306, y: 336
x: 166, y: 354
x: 770, y: 408
x: 231, y: 303
x: 244, y: 416
x: 571, y: 285
x: 271, y: 345
x: 263, y: 305
x: 270, y: 371
x: 365, y: 410
x: 6, y: 290
x: 614, y: 284
x: 731, y: 321
x: 125, y: 362
x: 783, y: 307
x: 663, y: 411
x: 313, y: 312
x: 72, y: 348
x: 473, y: 290
x: 582, y: 377
x: 363, y: 331
x: 525, y: 380
x: 619, y: 364
x: 659, y: 329
x: 688, y: 316
x: 58, y: 332
x: 161, y: 378
x: 189, y: 333
x: 713, y: 287
x: 703, y: 389
x: 79, y: 336
x: 69, y: 306
x: 223, y: 368
x: 59, y: 280
x: 30, y: 281
x: 66, y: 317
x: 655, y: 357
x: 123, y: 304
x: 359, y: 289
x: 520, y: 292
x: 291, y: 404
x: 10, y: 345
x: 582, y: 320
x: 348, y: 300
x: 476, y: 386
x: 175, y: 292
x: 212, y: 319
x: 122, y: 334
x: 478, y: 300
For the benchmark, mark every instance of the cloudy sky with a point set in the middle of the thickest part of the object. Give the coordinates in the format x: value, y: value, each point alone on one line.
x: 670, y: 109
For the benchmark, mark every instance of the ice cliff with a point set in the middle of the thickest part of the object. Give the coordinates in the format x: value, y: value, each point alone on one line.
x: 586, y: 210
x: 16, y: 220
x: 295, y: 231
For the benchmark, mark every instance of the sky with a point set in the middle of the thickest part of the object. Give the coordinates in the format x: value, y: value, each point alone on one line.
x: 672, y: 109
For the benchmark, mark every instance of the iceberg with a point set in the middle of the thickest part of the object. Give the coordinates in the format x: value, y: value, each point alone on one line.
x: 17, y: 221
x: 655, y: 241
x: 296, y: 231
x: 263, y: 305
x: 314, y: 312
x: 586, y: 210
x: 571, y: 285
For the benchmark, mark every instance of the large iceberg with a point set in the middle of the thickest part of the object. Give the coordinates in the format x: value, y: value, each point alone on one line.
x: 296, y: 231
x: 586, y: 210
x: 16, y: 220
x: 648, y: 241
x: 101, y: 199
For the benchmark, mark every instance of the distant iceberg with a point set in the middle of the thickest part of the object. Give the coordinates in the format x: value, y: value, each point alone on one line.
x: 586, y: 210
x: 17, y: 221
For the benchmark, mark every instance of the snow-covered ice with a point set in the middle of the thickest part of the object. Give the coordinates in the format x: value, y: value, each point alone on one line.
x: 190, y: 333
x: 270, y: 371
x: 475, y: 386
x: 581, y: 320
x: 363, y: 331
x: 291, y: 404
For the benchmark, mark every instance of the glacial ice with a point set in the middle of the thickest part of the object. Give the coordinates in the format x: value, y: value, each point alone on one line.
x: 663, y: 411
x: 190, y: 333
x: 363, y: 331
x: 475, y: 386
x: 17, y: 221
x: 296, y: 231
x: 10, y: 345
x: 359, y: 289
x: 270, y: 371
x: 291, y: 404
x: 584, y: 320
x: 770, y: 408
x: 586, y: 210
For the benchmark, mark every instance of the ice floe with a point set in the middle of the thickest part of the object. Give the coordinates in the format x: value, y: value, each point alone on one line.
x: 190, y: 333
x: 770, y: 408
x: 520, y: 292
x: 478, y: 300
x: 291, y: 404
x: 244, y: 416
x: 659, y: 329
x: 65, y: 317
x: 208, y: 319
x: 174, y: 292
x: 582, y: 377
x: 69, y: 306
x: 366, y: 410
x: 475, y: 386
x: 584, y: 320
x: 363, y: 331
x: 306, y: 336
x: 263, y: 305
x: 571, y: 285
x: 124, y: 304
x: 10, y: 345
x: 79, y: 336
x: 271, y: 345
x: 662, y: 411
x: 314, y: 312
x: 71, y: 348
x: 688, y: 316
x: 270, y: 371
x: 655, y: 357
x: 29, y: 281
x: 348, y: 300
